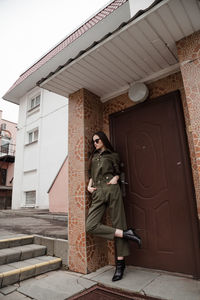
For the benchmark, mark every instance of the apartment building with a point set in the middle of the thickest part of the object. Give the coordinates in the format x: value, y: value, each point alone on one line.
x: 8, y: 131
x: 41, y: 151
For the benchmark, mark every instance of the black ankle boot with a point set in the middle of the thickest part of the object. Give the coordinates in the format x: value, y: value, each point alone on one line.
x: 130, y: 234
x: 119, y: 271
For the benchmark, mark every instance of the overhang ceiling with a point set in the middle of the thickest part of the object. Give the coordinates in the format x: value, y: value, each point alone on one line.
x: 144, y: 49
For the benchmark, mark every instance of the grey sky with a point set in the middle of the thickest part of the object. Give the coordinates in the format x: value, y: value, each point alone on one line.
x: 28, y: 29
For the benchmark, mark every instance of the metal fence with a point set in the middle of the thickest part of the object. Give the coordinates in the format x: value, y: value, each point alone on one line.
x: 7, y: 149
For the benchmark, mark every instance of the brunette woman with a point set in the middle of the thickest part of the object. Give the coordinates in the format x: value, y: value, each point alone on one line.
x: 103, y: 185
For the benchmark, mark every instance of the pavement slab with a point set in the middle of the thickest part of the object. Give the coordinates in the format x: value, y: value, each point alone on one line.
x: 59, y: 286
x: 14, y: 296
x: 148, y: 282
x: 173, y: 287
x: 134, y: 280
x: 98, y: 272
x: 8, y: 289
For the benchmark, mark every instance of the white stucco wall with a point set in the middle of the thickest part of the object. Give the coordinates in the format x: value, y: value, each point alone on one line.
x: 37, y: 164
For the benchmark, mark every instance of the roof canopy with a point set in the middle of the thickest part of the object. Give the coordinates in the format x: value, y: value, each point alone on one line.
x: 127, y: 50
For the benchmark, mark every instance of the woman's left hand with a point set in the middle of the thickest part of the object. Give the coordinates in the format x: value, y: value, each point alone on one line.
x: 114, y: 180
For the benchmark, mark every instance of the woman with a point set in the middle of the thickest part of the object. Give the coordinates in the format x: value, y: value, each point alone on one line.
x: 103, y: 185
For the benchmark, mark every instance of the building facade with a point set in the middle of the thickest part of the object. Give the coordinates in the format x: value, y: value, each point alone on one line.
x: 41, y: 149
x: 7, y: 158
x: 158, y: 140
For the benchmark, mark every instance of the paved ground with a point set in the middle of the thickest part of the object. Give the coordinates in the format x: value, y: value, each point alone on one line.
x: 32, y: 221
x: 62, y: 284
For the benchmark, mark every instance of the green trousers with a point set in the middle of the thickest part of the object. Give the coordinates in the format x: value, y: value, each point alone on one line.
x: 108, y: 196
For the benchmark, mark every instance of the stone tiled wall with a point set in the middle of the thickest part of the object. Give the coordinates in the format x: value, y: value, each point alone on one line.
x: 156, y: 89
x: 87, y: 115
x: 189, y: 57
x: 76, y: 192
x: 95, y: 247
x: 85, y: 118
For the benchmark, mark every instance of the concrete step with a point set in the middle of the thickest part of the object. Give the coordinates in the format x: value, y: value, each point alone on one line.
x: 13, y: 254
x: 16, y: 241
x: 18, y: 271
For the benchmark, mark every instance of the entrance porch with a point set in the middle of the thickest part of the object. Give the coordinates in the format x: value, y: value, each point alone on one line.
x: 161, y: 52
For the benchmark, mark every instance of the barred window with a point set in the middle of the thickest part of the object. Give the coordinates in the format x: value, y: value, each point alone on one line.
x: 30, y: 198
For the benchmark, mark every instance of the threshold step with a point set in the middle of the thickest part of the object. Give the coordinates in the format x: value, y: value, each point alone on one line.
x: 16, y: 241
x: 13, y: 254
x: 18, y: 271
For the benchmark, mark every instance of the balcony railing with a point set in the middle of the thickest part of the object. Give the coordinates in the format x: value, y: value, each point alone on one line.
x: 7, y: 149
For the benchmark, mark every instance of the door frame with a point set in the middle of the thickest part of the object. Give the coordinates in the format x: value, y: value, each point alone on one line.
x: 193, y: 213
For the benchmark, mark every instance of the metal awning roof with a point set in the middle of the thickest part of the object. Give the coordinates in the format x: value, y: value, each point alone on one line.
x: 105, y: 20
x: 142, y: 49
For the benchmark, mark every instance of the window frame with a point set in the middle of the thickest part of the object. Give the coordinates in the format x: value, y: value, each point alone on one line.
x: 34, y: 133
x: 3, y: 126
x: 30, y: 204
x: 33, y: 102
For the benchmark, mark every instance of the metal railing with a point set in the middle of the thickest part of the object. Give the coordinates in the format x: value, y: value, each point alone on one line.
x: 7, y: 149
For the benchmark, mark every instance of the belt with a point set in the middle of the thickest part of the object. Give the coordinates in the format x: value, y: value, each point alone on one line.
x: 103, y: 180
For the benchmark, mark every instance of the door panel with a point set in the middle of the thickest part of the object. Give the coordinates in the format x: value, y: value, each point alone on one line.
x: 149, y: 138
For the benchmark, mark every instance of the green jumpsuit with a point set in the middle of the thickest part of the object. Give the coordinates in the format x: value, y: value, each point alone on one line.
x: 104, y: 166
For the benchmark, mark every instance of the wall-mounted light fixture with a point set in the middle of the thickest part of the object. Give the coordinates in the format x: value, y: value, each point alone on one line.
x: 138, y: 92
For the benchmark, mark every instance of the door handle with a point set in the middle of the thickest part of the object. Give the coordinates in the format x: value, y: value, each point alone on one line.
x: 123, y: 182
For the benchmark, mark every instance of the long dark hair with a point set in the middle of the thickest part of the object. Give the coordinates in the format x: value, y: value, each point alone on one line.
x: 103, y: 137
x: 105, y: 141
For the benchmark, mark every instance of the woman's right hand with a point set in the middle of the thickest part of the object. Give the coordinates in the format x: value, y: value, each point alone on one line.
x: 91, y: 189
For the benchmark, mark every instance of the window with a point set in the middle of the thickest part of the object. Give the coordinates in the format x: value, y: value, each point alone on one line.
x: 3, y: 126
x: 34, y: 102
x: 30, y: 198
x: 5, y: 145
x: 37, y: 100
x: 3, y: 175
x: 33, y: 136
x: 5, y: 148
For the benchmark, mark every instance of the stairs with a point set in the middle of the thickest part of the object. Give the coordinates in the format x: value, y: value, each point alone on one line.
x: 21, y: 259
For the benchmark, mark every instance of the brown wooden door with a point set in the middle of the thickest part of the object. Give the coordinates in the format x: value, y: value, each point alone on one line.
x: 160, y: 201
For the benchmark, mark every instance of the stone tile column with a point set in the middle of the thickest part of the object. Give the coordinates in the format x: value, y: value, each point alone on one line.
x: 86, y: 253
x: 76, y: 185
x: 189, y: 57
